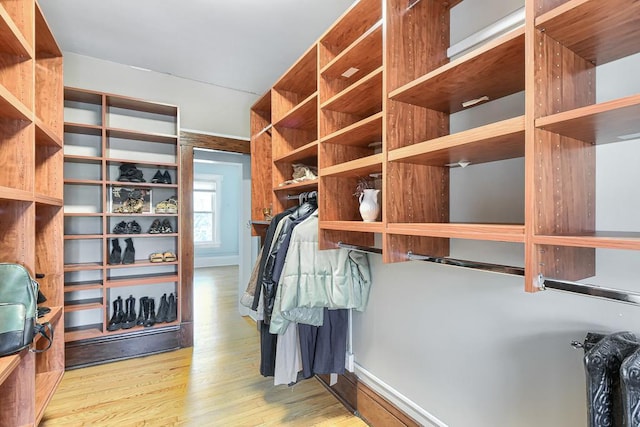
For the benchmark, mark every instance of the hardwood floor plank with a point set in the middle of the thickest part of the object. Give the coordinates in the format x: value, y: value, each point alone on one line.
x: 215, y: 383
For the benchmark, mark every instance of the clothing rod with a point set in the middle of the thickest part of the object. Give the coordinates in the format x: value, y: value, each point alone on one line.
x: 367, y: 249
x: 627, y: 297
x: 495, y: 268
x: 309, y: 194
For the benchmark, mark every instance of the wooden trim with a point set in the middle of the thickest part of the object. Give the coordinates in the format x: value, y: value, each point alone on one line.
x: 213, y: 142
x: 378, y: 411
x: 186, y: 232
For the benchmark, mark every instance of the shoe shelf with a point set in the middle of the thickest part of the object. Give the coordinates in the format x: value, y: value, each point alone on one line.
x: 165, y: 165
x: 142, y: 136
x: 115, y: 236
x: 139, y: 214
x: 83, y: 266
x: 493, y: 70
x: 83, y: 129
x: 143, y: 279
x: 83, y: 304
x: 140, y: 263
x: 496, y: 141
x: 598, y: 123
x: 68, y: 158
x: 83, y: 332
x: 82, y: 285
x: 140, y: 184
x: 83, y: 214
x: 82, y: 236
x: 597, y: 31
x: 82, y: 182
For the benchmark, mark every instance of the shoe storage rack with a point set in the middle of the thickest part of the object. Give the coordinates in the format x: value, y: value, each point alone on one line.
x: 31, y: 215
x: 378, y: 94
x: 121, y: 181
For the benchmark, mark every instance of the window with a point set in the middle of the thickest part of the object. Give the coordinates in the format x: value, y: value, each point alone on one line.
x: 205, y: 225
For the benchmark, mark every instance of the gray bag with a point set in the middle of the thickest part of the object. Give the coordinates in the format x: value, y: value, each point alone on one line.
x: 18, y: 310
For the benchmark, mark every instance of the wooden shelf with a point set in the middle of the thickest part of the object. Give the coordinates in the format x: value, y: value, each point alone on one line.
x: 355, y: 168
x: 139, y: 184
x: 82, y: 95
x: 496, y: 141
x: 304, y: 185
x: 302, y: 116
x: 115, y: 236
x: 143, y: 163
x: 82, y: 159
x: 8, y: 193
x: 364, y: 97
x: 365, y: 54
x: 88, y: 214
x: 82, y: 236
x: 491, y: 232
x: 46, y: 385
x: 142, y: 136
x: 45, y: 136
x: 300, y: 78
x: 83, y: 266
x: 43, y: 199
x: 83, y: 129
x: 598, y: 123
x: 306, y: 152
x: 127, y: 103
x: 134, y: 215
x: 50, y: 317
x: 13, y: 41
x: 139, y: 263
x: 12, y: 108
x: 80, y: 305
x: 357, y: 226
x: 82, y: 285
x: 7, y: 365
x: 141, y: 279
x: 46, y: 44
x: 493, y: 70
x: 597, y: 31
x: 83, y: 182
x: 360, y: 134
x: 598, y: 239
x: 83, y: 333
x: 348, y: 29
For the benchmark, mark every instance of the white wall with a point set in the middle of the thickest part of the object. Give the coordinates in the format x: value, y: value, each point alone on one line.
x: 203, y: 107
x: 471, y: 348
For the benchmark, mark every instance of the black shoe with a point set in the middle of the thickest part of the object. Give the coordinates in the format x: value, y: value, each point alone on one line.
x: 133, y: 228
x: 129, y: 256
x: 158, y: 178
x: 156, y: 227
x: 137, y: 177
x: 126, y: 171
x: 116, y: 252
x: 166, y: 227
x: 172, y: 313
x: 116, y: 319
x: 120, y: 228
x: 151, y: 319
x: 129, y: 320
x: 166, y: 178
x: 163, y: 310
x: 144, y: 311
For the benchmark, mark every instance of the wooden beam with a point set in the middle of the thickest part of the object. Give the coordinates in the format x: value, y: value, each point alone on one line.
x: 213, y: 142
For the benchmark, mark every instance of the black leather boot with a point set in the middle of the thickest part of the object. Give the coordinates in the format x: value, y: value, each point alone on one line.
x: 116, y: 252
x: 163, y: 310
x: 129, y: 320
x: 129, y: 256
x: 602, y: 367
x: 172, y: 314
x: 151, y: 320
x: 116, y: 318
x: 144, y: 312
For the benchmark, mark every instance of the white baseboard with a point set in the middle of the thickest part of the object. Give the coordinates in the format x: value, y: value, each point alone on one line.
x: 401, y: 402
x: 215, y: 261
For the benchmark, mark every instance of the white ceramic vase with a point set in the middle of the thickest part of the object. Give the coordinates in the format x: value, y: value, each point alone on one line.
x: 369, y: 207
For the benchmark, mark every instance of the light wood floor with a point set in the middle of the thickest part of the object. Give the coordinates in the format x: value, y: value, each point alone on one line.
x: 215, y: 383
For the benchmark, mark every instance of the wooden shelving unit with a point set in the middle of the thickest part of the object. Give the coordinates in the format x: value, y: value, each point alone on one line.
x: 384, y: 96
x: 568, y: 128
x: 102, y: 132
x: 31, y: 194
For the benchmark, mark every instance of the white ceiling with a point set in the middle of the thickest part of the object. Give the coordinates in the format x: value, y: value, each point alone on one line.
x: 239, y: 44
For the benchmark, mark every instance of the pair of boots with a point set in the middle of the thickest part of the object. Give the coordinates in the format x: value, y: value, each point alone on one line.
x: 168, y: 309
x: 147, y: 313
x: 120, y: 318
x: 117, y: 257
x: 129, y: 173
